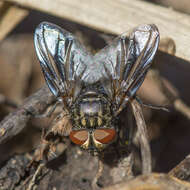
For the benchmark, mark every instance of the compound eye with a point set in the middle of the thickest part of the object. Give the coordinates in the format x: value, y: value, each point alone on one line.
x: 79, y: 137
x: 104, y: 135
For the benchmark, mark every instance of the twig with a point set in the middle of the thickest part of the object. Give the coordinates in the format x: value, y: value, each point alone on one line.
x: 173, y: 97
x: 16, y: 121
x: 8, y: 102
x: 151, y: 182
x: 34, y: 177
x: 10, y: 16
x: 182, y: 107
x: 97, y: 14
x: 182, y: 170
x: 142, y: 137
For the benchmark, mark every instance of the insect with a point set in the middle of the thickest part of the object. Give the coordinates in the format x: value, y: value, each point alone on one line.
x: 92, y: 89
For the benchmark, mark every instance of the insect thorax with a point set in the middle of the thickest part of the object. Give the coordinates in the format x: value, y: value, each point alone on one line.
x: 91, y: 110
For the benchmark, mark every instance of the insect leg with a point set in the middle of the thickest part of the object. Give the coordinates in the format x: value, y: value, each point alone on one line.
x: 131, y: 127
x: 52, y: 142
x: 95, y: 185
x: 35, y: 176
x: 151, y: 106
x: 47, y: 113
x: 40, y: 157
x: 142, y: 136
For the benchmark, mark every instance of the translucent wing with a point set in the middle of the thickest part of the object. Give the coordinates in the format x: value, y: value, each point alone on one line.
x: 125, y: 63
x: 62, y: 59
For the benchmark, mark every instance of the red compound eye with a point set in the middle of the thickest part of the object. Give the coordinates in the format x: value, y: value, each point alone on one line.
x: 79, y: 137
x: 104, y: 136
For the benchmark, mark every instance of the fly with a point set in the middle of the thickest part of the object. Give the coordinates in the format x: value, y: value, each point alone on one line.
x: 93, y: 89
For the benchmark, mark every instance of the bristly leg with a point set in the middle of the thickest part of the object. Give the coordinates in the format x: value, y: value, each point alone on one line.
x: 151, y: 106
x: 47, y: 151
x: 142, y: 136
x: 47, y: 113
x: 52, y: 145
x: 99, y: 173
x: 37, y: 173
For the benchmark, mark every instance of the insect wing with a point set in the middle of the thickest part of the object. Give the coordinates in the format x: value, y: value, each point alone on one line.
x: 126, y: 61
x: 61, y: 57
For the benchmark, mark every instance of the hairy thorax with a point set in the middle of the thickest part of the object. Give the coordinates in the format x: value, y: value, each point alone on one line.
x: 91, y: 110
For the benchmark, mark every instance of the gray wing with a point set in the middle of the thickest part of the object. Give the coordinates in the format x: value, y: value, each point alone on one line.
x: 62, y: 59
x: 125, y: 62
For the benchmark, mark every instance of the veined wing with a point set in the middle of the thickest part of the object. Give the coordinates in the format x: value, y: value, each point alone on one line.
x: 62, y: 59
x: 126, y: 61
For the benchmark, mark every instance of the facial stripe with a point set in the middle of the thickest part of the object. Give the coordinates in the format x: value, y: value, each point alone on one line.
x: 92, y: 122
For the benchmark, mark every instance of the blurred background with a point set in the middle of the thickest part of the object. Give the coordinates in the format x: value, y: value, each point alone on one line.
x: 20, y: 73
